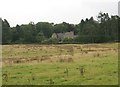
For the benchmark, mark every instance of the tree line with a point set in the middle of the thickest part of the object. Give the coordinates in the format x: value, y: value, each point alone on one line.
x: 104, y: 29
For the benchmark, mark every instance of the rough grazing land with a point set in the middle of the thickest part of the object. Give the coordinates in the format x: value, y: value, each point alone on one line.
x: 85, y: 64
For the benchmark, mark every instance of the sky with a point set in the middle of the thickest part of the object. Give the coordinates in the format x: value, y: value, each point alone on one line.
x: 56, y: 11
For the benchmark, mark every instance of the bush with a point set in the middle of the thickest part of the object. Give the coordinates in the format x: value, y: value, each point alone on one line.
x: 50, y: 41
x: 68, y: 40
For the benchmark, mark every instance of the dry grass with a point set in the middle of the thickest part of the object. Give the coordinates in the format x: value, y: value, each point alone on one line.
x: 60, y: 64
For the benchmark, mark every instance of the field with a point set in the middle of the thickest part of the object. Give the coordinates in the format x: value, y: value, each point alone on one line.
x: 63, y: 64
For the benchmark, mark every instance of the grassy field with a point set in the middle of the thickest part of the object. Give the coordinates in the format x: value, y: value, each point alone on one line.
x: 65, y: 64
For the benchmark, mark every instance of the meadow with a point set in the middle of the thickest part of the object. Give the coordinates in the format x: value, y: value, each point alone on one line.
x: 62, y: 64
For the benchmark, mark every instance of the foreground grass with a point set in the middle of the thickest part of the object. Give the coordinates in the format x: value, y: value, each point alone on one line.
x: 100, y: 64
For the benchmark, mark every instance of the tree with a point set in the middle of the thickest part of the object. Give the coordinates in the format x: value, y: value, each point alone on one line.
x: 106, y: 29
x: 6, y: 32
x: 103, y: 19
x: 88, y: 30
x: 40, y: 37
x: 28, y: 33
x: 60, y: 28
x: 113, y: 28
x: 45, y: 27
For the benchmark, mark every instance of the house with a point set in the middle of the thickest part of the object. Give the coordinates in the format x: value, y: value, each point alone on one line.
x: 69, y: 35
x: 54, y: 35
x: 62, y: 36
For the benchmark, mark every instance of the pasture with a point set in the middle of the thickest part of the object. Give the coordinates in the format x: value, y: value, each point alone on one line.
x: 63, y: 64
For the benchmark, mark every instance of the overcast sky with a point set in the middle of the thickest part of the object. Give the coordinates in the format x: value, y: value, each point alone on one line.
x: 57, y: 11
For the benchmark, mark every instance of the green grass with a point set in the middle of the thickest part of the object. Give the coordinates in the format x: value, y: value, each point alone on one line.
x: 99, y: 70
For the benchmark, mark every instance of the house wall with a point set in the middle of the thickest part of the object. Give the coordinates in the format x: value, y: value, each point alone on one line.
x: 62, y: 36
x: 69, y: 35
x: 54, y: 36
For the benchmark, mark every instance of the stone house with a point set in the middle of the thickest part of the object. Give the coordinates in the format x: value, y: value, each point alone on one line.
x: 54, y: 36
x: 62, y: 36
x: 69, y: 35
